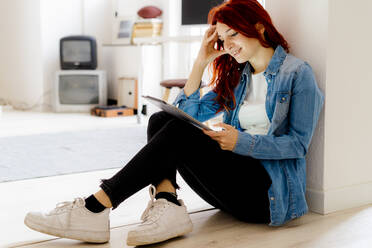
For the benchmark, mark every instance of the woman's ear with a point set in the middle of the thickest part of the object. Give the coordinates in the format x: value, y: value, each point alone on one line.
x: 260, y: 28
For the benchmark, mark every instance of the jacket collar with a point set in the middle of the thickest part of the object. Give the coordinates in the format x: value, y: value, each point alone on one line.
x: 247, y: 70
x: 276, y: 61
x: 274, y: 64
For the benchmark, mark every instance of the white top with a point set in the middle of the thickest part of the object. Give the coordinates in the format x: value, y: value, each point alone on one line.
x: 252, y: 114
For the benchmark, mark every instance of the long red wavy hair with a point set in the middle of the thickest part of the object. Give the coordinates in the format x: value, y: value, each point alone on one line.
x: 240, y: 15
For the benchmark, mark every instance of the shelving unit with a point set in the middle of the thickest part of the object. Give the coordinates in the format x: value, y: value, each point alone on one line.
x: 153, y: 41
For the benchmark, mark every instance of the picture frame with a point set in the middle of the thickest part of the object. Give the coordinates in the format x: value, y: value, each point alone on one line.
x: 123, y: 30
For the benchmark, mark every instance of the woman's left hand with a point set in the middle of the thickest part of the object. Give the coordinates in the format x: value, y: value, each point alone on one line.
x: 226, y: 138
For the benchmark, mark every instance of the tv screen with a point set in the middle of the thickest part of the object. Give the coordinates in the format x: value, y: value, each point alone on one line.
x: 79, y: 89
x: 78, y: 50
x: 196, y: 11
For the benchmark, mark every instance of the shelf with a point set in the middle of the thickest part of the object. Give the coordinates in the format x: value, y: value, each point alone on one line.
x: 163, y: 39
x: 118, y: 45
x: 159, y: 40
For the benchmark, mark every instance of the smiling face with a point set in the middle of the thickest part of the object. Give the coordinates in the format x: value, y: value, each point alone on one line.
x: 242, y: 48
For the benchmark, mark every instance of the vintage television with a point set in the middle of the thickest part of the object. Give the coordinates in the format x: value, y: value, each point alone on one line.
x: 78, y: 53
x: 79, y: 90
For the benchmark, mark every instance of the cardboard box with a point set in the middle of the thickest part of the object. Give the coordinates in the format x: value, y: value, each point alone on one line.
x: 112, y: 111
x: 127, y: 92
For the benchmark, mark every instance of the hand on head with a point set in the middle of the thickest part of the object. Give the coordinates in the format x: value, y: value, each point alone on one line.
x: 208, y: 52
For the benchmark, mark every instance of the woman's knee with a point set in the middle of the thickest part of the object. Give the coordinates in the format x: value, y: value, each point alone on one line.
x: 172, y: 126
x: 160, y: 116
x: 156, y: 122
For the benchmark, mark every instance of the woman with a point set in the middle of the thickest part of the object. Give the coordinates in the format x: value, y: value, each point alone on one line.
x: 254, y: 169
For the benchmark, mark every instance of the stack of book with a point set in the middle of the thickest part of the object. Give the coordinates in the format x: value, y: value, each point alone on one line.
x: 147, y: 28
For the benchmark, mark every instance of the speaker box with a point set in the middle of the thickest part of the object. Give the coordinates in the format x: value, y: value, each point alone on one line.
x: 127, y: 92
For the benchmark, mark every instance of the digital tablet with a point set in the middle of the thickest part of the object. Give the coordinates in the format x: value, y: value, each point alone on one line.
x: 173, y: 110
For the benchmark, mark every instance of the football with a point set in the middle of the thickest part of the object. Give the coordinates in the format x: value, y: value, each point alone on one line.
x: 149, y: 12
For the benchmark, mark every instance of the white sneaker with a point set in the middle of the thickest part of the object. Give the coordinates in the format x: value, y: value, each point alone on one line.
x: 162, y: 220
x: 72, y: 220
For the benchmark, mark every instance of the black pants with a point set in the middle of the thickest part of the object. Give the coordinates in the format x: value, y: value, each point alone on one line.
x: 233, y: 183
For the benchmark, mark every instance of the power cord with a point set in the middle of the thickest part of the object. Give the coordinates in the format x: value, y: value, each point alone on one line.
x: 24, y: 106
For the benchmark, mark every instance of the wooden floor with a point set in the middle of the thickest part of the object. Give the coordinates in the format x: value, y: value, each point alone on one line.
x: 213, y: 228
x: 346, y: 229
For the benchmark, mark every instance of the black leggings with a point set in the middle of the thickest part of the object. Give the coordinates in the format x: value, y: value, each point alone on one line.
x: 233, y: 183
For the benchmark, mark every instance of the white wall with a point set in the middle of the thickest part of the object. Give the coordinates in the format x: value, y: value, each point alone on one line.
x: 21, y: 67
x: 97, y: 22
x: 58, y: 19
x: 348, y: 164
x: 177, y: 58
x: 29, y: 47
x: 123, y: 61
x: 307, y: 37
x: 54, y: 19
x: 333, y: 36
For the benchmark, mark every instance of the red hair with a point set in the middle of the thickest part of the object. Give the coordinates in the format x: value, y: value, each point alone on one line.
x: 240, y: 15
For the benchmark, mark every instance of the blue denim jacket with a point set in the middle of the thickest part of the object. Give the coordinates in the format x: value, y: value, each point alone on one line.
x: 293, y: 104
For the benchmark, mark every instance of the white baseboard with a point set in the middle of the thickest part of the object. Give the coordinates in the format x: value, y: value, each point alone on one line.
x: 325, y: 202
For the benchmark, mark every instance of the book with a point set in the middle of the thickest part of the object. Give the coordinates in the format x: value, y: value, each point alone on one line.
x: 173, y: 110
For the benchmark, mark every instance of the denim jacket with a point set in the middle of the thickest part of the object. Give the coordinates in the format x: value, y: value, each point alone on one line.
x: 293, y: 104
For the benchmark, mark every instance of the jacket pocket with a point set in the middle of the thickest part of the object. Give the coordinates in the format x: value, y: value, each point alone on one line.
x: 279, y: 120
x: 282, y: 97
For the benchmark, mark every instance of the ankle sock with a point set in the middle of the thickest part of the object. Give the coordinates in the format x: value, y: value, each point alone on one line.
x: 171, y: 197
x: 93, y: 205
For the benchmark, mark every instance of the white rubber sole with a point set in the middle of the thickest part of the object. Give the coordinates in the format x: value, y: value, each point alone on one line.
x: 86, y: 236
x: 146, y: 240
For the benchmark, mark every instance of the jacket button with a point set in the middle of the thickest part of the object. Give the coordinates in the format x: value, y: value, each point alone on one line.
x: 272, y: 198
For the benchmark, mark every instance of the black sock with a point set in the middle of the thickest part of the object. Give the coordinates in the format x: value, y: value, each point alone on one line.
x: 172, y: 197
x: 93, y: 205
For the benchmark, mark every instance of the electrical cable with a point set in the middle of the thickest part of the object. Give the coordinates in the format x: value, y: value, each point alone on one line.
x: 25, y: 106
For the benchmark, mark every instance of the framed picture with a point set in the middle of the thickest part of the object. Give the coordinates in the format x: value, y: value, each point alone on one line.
x: 122, y: 30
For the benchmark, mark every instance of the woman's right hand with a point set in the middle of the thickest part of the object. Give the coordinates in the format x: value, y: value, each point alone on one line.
x: 208, y: 52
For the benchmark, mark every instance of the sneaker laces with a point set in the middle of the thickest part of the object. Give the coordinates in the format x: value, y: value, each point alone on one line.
x: 154, y: 208
x: 68, y: 205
